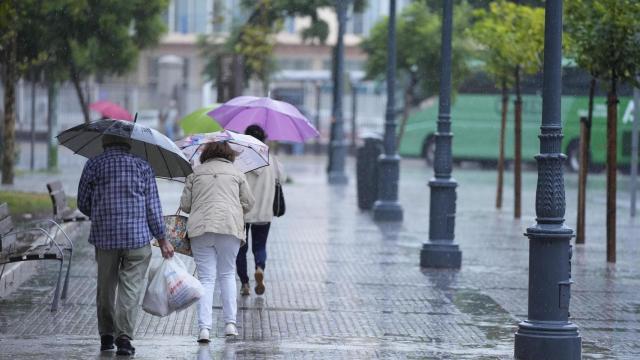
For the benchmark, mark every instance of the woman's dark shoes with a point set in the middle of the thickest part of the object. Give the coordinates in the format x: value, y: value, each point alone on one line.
x: 259, y: 275
x: 106, y: 342
x: 245, y: 290
x: 124, y: 346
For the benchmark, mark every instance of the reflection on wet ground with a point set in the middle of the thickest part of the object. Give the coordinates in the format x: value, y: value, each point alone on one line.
x: 341, y: 286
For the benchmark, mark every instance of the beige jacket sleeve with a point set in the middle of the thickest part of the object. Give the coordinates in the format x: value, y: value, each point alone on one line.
x: 246, y: 196
x: 185, y: 199
x: 280, y: 174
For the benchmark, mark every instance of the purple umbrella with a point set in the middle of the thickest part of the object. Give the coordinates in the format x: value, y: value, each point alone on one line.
x: 280, y: 120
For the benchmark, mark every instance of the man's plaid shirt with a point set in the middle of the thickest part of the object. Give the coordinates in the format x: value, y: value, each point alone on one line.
x: 118, y: 192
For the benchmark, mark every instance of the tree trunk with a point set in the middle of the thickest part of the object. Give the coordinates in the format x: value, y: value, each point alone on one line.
x: 612, y: 167
x: 75, y: 78
x: 9, y: 83
x: 585, y: 143
x: 503, y: 129
x: 408, y: 101
x: 517, y: 161
x: 52, y: 125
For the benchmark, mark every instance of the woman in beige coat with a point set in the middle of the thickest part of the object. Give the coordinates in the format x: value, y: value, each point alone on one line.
x: 216, y: 195
x: 262, y: 182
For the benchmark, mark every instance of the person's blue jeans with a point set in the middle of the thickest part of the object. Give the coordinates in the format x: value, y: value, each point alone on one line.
x: 259, y: 234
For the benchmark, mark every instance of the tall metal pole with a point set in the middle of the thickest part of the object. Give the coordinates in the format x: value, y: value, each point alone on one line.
x: 634, y: 149
x: 440, y: 251
x: 547, y: 333
x: 338, y: 146
x: 387, y: 207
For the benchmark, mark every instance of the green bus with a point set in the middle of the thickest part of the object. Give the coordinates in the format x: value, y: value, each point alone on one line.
x: 475, y: 116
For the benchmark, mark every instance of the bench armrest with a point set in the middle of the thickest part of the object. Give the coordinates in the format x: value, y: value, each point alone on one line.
x: 45, y: 232
x: 54, y: 223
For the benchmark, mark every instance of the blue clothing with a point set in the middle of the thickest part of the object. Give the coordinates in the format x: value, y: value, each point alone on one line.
x: 259, y: 234
x: 118, y: 192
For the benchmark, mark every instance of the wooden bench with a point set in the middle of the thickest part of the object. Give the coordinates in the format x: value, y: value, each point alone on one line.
x: 17, y: 246
x: 61, y: 211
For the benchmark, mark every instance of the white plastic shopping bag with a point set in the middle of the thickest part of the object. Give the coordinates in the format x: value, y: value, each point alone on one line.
x: 183, y: 288
x: 171, y: 288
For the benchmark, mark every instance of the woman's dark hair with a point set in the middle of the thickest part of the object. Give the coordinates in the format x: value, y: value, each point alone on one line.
x: 217, y: 150
x: 256, y: 131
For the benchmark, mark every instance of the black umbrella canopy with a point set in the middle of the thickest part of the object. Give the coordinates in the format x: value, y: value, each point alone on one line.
x: 164, y: 156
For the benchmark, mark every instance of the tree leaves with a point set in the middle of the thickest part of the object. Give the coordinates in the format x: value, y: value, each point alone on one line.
x: 509, y: 35
x: 418, y: 44
x: 604, y: 36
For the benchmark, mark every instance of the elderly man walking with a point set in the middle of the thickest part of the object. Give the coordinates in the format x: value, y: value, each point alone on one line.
x: 118, y: 192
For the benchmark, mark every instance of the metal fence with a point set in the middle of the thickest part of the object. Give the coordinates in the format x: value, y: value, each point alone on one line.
x: 370, y: 107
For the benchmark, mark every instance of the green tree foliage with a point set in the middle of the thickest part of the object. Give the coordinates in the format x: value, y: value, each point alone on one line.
x: 70, y: 39
x: 605, y: 40
x: 21, y: 43
x: 510, y: 35
x: 99, y: 37
x: 511, y: 41
x: 605, y: 37
x: 418, y: 37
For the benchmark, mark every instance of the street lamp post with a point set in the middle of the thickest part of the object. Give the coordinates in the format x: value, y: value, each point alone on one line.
x: 387, y: 207
x: 440, y: 251
x: 547, y: 332
x: 338, y: 146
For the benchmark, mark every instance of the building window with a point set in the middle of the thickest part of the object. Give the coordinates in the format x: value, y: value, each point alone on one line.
x: 189, y: 16
x: 181, y: 16
x: 327, y: 64
x: 219, y: 16
x: 353, y: 65
x: 294, y: 64
x: 358, y: 23
x: 152, y: 70
x: 290, y: 25
x: 185, y: 71
x: 200, y: 16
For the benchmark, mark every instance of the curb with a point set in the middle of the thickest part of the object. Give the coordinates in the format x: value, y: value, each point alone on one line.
x: 15, y: 274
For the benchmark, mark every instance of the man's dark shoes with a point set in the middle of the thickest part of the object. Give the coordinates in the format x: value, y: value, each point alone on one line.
x: 106, y: 342
x: 124, y: 346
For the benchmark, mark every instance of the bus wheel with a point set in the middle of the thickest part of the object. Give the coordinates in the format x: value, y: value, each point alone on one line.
x: 573, y: 156
x: 429, y: 149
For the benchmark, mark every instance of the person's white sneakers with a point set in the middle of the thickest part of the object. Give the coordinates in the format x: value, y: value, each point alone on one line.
x: 230, y: 330
x: 204, y: 336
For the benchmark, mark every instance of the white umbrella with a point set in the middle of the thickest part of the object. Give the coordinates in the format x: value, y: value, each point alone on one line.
x: 252, y: 153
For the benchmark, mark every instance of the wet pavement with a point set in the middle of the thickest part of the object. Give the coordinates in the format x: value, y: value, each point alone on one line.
x: 341, y: 286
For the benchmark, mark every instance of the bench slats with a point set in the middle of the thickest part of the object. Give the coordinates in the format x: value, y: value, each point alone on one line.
x: 4, y: 210
x: 6, y: 226
x: 33, y: 256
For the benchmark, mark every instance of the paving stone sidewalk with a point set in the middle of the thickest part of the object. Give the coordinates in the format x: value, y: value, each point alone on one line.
x: 341, y: 286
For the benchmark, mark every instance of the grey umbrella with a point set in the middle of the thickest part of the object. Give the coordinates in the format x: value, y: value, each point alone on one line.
x: 164, y: 156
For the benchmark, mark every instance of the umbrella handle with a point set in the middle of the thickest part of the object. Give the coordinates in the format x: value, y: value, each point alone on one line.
x: 135, y: 118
